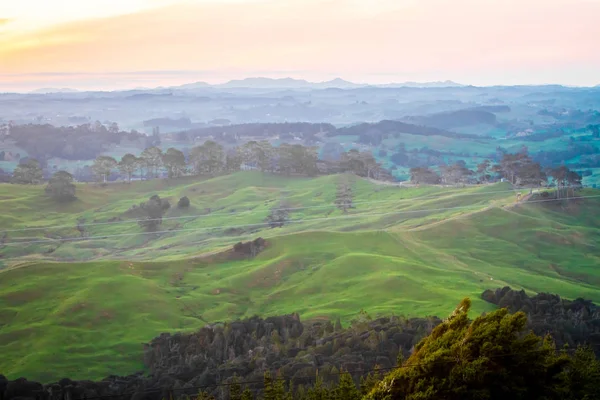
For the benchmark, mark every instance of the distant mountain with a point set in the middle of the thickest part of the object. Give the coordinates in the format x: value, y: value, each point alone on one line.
x: 194, y: 85
x: 422, y: 84
x: 287, y: 83
x: 54, y: 90
x: 291, y: 83
x: 263, y: 83
x: 339, y: 83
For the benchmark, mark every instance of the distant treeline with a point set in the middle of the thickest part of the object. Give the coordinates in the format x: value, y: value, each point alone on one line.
x: 389, y: 127
x: 466, y: 117
x: 519, y: 169
x: 211, y: 158
x: 83, y: 142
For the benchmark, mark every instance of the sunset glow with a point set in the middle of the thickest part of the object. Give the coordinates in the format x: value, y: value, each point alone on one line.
x: 71, y: 42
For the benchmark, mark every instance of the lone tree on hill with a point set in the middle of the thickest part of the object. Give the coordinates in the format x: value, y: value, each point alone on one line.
x: 153, y: 211
x: 61, y: 187
x: 28, y: 173
x: 278, y: 216
x: 183, y: 202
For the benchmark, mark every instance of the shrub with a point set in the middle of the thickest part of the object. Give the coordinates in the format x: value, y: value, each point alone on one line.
x: 183, y: 202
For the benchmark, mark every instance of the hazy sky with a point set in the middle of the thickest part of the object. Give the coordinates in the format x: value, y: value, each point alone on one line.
x: 129, y: 43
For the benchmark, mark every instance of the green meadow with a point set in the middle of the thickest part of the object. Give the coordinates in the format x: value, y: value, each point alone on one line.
x: 83, y: 308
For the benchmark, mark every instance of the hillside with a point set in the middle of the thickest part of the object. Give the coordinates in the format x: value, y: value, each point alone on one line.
x: 223, y: 210
x: 215, y: 356
x: 412, y: 251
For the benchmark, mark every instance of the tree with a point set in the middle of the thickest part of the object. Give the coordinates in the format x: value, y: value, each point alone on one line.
x: 455, y: 174
x: 61, y: 187
x: 235, y: 390
x: 152, y: 212
x: 531, y: 174
x: 483, y: 170
x: 488, y: 358
x: 346, y: 389
x: 207, y: 158
x: 564, y: 179
x: 260, y: 154
x: 344, y: 195
x: 113, y: 128
x: 28, y: 173
x: 318, y: 391
x: 296, y: 159
x: 202, y: 395
x: 247, y: 394
x: 183, y: 202
x: 582, y: 378
x: 595, y: 129
x: 128, y: 165
x: 103, y: 166
x: 352, y: 162
x: 269, y: 387
x: 233, y: 160
x: 371, y: 380
x: 371, y: 166
x: 152, y: 158
x: 174, y: 162
x: 424, y: 175
x: 278, y: 216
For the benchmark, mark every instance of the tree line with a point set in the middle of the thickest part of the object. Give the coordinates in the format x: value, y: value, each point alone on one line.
x: 207, y: 159
x: 212, y: 158
x: 490, y: 357
x: 519, y: 169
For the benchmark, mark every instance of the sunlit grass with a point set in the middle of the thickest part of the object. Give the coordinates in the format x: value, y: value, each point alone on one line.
x: 89, y: 318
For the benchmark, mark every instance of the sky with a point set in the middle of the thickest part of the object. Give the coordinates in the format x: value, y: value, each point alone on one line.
x: 110, y: 44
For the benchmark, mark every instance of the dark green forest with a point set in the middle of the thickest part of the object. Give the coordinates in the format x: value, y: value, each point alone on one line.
x: 540, y: 347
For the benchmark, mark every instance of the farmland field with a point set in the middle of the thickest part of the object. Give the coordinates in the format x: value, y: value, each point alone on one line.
x: 85, y: 306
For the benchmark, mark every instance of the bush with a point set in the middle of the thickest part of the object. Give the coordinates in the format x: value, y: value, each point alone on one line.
x: 61, y: 187
x: 153, y: 211
x: 183, y: 202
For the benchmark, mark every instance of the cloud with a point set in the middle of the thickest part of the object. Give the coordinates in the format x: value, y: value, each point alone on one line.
x: 4, y: 21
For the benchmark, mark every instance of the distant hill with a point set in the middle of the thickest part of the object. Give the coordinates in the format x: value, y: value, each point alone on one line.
x: 388, y: 127
x: 459, y: 118
x: 194, y: 85
x: 422, y: 84
x: 291, y: 83
x: 54, y: 90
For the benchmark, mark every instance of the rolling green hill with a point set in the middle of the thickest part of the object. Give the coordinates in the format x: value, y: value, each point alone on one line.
x: 411, y: 251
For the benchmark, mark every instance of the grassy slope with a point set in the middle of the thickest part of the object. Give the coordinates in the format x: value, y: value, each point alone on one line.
x: 88, y: 319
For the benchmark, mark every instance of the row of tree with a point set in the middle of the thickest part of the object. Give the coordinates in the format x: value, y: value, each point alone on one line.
x: 212, y: 158
x: 518, y: 169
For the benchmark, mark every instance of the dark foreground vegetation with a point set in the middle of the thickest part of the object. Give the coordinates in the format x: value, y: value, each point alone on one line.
x: 539, y: 347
